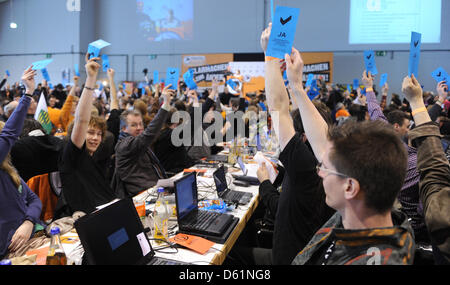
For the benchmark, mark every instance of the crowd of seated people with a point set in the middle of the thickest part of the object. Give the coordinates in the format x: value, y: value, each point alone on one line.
x: 364, y: 180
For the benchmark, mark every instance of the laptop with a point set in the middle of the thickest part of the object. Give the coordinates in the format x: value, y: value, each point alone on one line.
x: 228, y: 195
x: 210, y: 225
x: 114, y: 235
x: 249, y: 179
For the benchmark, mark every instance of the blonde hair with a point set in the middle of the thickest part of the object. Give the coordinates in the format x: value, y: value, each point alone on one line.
x: 7, y: 166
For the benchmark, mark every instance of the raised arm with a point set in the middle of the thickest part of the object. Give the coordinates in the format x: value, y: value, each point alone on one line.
x: 84, y: 108
x: 114, y: 99
x: 316, y: 128
x: 13, y: 126
x: 66, y: 115
x: 374, y: 109
x: 434, y: 185
x: 277, y: 97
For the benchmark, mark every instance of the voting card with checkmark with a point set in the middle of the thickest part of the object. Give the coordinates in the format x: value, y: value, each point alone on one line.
x: 414, y: 54
x: 172, y: 75
x: 369, y: 62
x: 383, y: 79
x: 440, y: 75
x: 282, y: 35
x: 188, y: 78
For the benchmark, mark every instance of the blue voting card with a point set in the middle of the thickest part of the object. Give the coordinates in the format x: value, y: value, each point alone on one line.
x: 37, y: 65
x: 314, y: 91
x: 7, y: 73
x: 77, y: 70
x: 188, y: 78
x: 310, y: 79
x: 105, y: 62
x: 285, y: 79
x: 414, y: 54
x: 355, y: 84
x: 50, y: 85
x: 369, y: 62
x: 440, y: 75
x: 282, y: 35
x: 155, y: 76
x: 172, y: 76
x: 349, y: 88
x: 263, y: 107
x: 383, y: 79
x: 95, y: 47
x: 45, y: 74
x: 271, y: 10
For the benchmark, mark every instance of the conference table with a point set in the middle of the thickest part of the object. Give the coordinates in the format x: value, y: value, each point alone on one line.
x: 216, y: 255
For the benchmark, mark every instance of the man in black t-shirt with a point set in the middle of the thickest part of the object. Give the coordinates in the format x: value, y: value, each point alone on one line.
x: 84, y: 185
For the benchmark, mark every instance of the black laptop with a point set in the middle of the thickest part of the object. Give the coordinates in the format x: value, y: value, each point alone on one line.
x: 213, y: 226
x: 244, y: 177
x: 114, y: 235
x: 228, y: 195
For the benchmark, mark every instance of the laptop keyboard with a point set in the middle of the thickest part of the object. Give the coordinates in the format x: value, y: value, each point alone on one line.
x: 234, y: 196
x: 203, y: 221
x: 163, y: 261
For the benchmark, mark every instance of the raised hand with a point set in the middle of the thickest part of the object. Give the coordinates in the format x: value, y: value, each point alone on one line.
x: 385, y: 89
x: 412, y: 89
x: 367, y: 79
x: 92, y: 66
x: 265, y: 35
x: 111, y: 72
x: 168, y: 94
x: 28, y: 80
x: 442, y: 90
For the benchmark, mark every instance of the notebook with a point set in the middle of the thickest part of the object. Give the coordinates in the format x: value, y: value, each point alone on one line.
x: 213, y: 226
x: 228, y: 195
x: 115, y: 235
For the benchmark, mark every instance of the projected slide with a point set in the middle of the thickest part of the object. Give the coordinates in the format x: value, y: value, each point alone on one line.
x: 165, y: 20
x: 392, y: 21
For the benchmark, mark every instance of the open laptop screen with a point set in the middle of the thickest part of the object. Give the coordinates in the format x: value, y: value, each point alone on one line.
x: 220, y: 179
x: 242, y: 165
x: 186, y: 194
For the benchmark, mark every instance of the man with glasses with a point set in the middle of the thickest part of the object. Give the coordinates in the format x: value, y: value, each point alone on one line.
x: 363, y: 166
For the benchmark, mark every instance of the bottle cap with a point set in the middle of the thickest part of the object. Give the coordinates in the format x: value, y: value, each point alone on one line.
x: 54, y: 231
x: 5, y: 262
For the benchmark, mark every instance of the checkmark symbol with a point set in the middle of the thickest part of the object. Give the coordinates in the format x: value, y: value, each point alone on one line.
x: 416, y: 43
x: 172, y: 72
x: 439, y: 74
x: 369, y: 56
x: 284, y: 22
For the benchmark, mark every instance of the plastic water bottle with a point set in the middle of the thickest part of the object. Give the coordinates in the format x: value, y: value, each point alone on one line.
x: 161, y: 216
x: 56, y: 255
x: 59, y: 132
